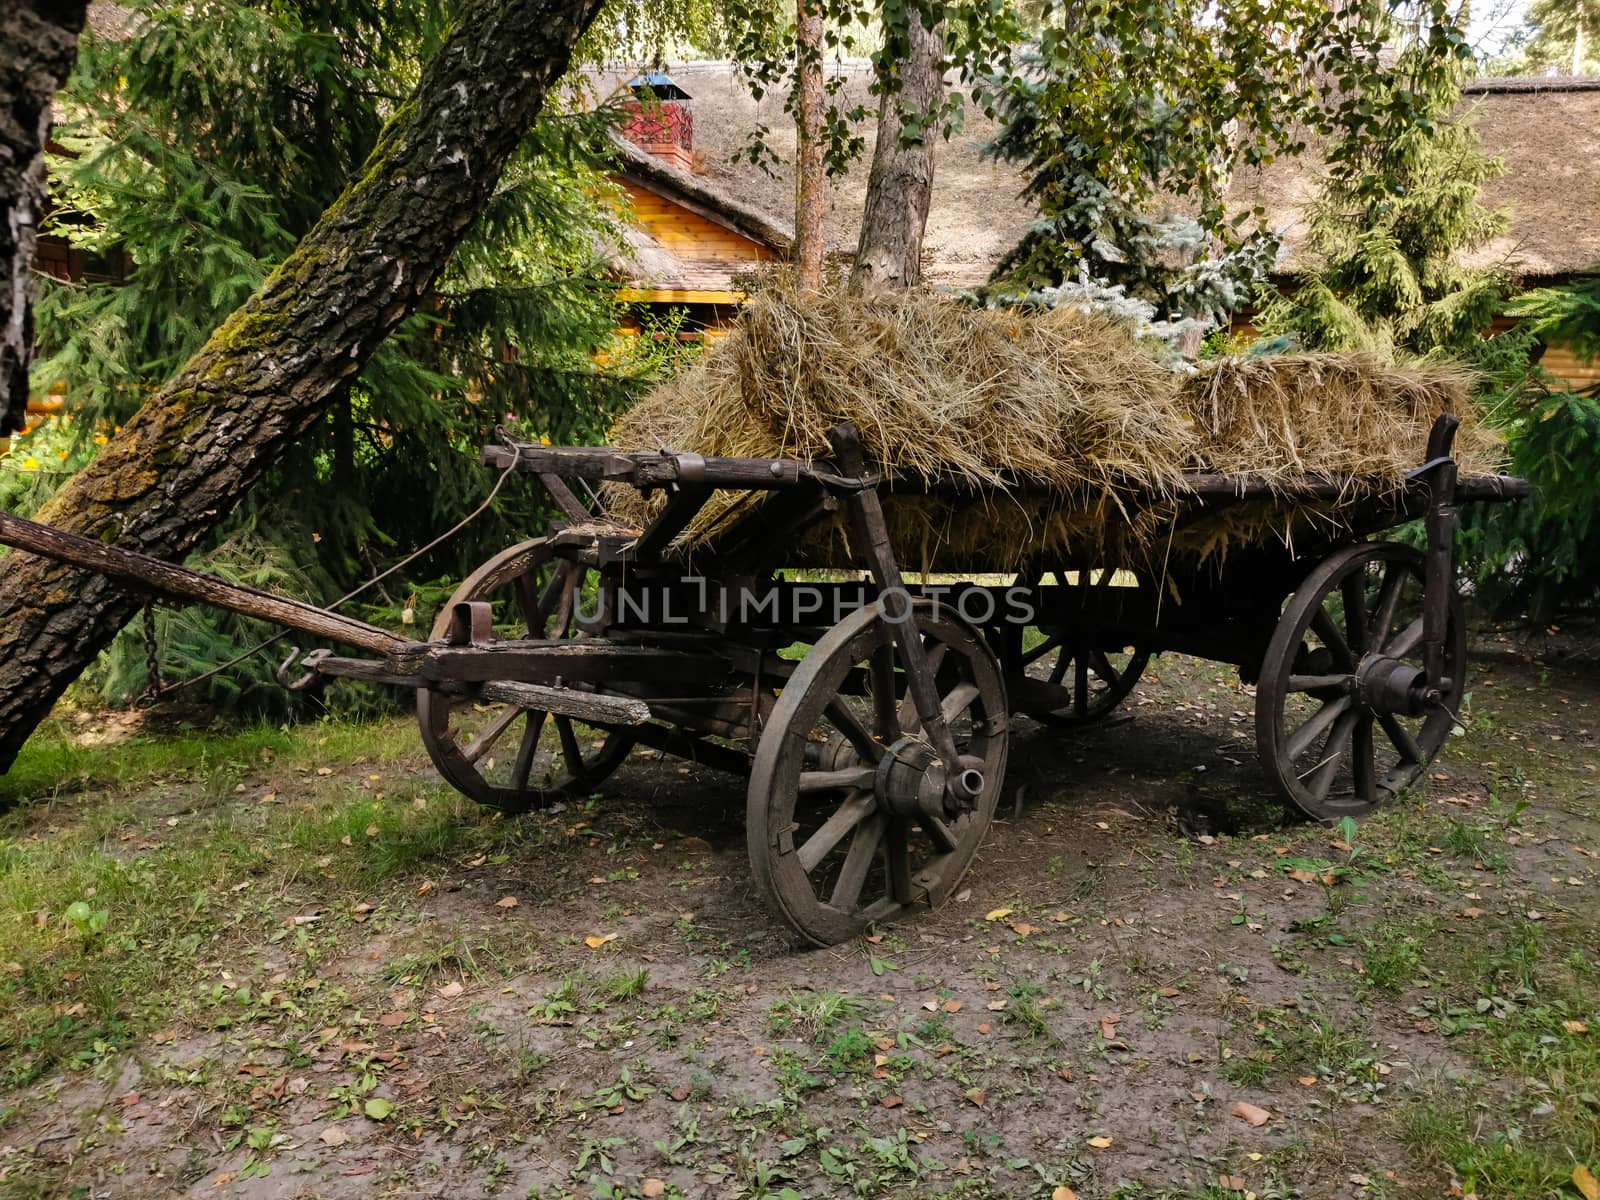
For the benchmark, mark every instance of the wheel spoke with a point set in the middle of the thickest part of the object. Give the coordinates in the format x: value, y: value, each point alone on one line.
x: 1400, y: 738
x: 843, y: 779
x: 1407, y: 640
x: 1317, y: 683
x: 526, y: 750
x: 1353, y: 590
x: 1080, y: 687
x: 958, y: 701
x: 1394, y: 578
x: 897, y: 851
x: 847, y: 723
x: 485, y: 741
x: 858, y: 861
x: 1333, y: 750
x: 1303, y: 738
x: 1058, y: 672
x: 885, y: 705
x: 940, y: 833
x: 1103, y: 668
x: 844, y: 819
x: 1328, y: 631
x: 1053, y: 642
x: 1363, y: 766
x: 570, y: 750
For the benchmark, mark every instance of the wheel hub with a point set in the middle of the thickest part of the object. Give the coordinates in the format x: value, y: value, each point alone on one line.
x: 1390, y: 685
x: 911, y: 782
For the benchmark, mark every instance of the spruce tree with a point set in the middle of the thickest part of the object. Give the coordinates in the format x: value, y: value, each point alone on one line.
x: 1389, y: 233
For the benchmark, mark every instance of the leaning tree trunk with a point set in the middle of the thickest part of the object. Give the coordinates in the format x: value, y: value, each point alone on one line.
x: 900, y: 187
x: 273, y: 367
x: 810, y: 203
x: 38, y: 45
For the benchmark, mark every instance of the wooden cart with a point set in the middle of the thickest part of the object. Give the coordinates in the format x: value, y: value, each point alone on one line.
x: 872, y: 716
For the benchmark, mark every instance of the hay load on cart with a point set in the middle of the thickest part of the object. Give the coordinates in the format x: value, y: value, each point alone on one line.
x: 1013, y: 437
x: 1094, y: 506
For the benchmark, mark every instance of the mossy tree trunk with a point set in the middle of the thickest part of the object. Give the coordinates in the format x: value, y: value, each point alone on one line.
x: 810, y: 199
x: 38, y: 45
x: 900, y: 187
x: 276, y: 364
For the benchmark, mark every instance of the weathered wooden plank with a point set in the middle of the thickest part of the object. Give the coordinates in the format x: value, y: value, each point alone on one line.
x: 168, y: 579
x: 532, y: 661
x: 567, y: 702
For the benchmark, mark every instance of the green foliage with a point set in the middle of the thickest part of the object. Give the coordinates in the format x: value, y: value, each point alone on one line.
x: 1394, y: 219
x: 1545, y: 551
x: 1129, y: 118
x: 200, y: 150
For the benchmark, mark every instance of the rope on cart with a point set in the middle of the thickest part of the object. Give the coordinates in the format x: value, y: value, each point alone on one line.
x: 155, y: 690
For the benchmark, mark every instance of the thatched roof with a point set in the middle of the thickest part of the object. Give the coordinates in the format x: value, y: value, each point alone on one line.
x: 975, y: 215
x: 1547, y: 129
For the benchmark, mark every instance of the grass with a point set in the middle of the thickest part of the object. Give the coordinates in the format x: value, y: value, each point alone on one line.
x: 115, y: 913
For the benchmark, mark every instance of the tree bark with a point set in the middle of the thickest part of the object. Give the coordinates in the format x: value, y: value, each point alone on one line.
x: 810, y: 202
x: 900, y: 186
x: 38, y: 45
x: 276, y: 364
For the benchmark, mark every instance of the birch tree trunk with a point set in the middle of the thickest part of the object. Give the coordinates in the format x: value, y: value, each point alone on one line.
x: 810, y: 204
x: 38, y: 45
x: 900, y: 186
x: 273, y: 368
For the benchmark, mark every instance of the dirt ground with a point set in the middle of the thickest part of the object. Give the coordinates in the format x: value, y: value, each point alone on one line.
x: 1151, y: 984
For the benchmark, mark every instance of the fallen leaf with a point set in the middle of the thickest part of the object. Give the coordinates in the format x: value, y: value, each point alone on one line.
x: 977, y: 1096
x: 333, y: 1136
x: 651, y: 1188
x: 425, y: 887
x: 1574, y: 1027
x: 1583, y: 1179
x: 954, y: 1006
x: 378, y: 1108
x: 891, y: 1101
x: 506, y: 902
x: 394, y: 1019
x: 996, y: 1005
x: 1251, y: 1114
x: 1063, y: 1193
x: 452, y: 989
x: 1307, y: 1081
x: 1231, y: 1183
x: 1169, y: 992
x: 324, y: 770
x: 1102, y: 1142
x: 1022, y: 928
x: 997, y: 914
x: 1108, y: 1026
x: 1472, y: 913
x: 594, y: 943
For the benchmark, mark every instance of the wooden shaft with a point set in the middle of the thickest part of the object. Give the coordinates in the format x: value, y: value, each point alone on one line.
x: 168, y: 579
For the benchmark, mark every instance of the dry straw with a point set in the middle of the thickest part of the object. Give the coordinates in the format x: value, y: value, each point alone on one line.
x: 1073, y: 435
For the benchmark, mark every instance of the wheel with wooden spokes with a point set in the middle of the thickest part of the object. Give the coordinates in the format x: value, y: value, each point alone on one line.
x: 1065, y: 677
x: 853, y: 818
x: 511, y: 758
x: 1345, y: 716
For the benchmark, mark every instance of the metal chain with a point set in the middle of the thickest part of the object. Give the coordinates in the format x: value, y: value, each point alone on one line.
x: 152, y: 659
